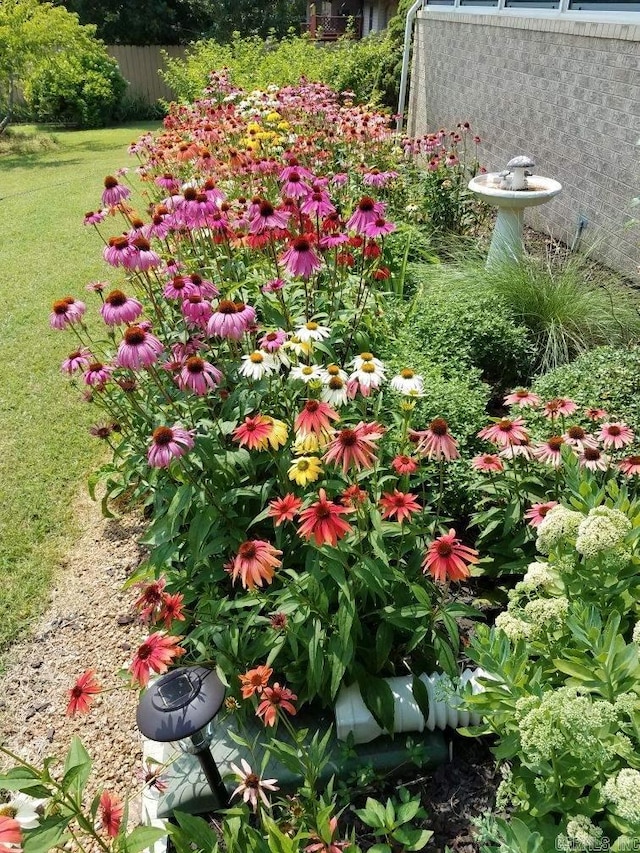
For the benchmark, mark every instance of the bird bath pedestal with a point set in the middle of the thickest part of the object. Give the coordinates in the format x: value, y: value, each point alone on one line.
x: 494, y: 188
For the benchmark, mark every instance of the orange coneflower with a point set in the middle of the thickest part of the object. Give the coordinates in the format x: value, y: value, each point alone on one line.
x: 82, y: 693
x: 156, y: 653
x: 255, y: 563
x: 322, y: 522
x: 255, y: 680
x: 448, y: 559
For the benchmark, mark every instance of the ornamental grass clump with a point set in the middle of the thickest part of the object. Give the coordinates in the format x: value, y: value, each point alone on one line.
x: 295, y: 499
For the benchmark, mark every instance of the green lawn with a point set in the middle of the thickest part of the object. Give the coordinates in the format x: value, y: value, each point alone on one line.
x: 45, y: 449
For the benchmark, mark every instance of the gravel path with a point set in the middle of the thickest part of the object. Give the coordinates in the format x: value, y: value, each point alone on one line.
x: 89, y: 624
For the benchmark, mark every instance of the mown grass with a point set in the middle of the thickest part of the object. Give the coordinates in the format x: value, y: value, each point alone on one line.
x: 45, y: 448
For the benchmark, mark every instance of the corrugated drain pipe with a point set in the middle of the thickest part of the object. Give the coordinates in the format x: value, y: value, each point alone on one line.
x: 406, y: 53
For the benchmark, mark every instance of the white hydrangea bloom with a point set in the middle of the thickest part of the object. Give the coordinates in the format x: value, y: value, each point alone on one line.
x: 623, y: 790
x: 602, y: 530
x: 513, y: 627
x: 558, y: 524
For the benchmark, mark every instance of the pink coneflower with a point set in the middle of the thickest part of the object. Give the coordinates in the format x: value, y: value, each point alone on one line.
x: 333, y: 240
x: 317, y: 204
x: 231, y: 320
x: 155, y: 654
x: 549, y: 451
x: 66, y: 311
x: 322, y: 521
x: 436, y: 442
x: 255, y: 680
x: 536, y: 513
x: 284, y: 509
x: 267, y: 217
x: 272, y: 341
x: 97, y: 286
x: 168, y: 182
x: 595, y: 414
x: 97, y: 374
x: 355, y: 446
x: 379, y: 227
x: 82, y: 693
x: 404, y: 465
x: 274, y: 699
x: 579, y: 438
x: 274, y: 285
x: 522, y: 450
x: 168, y: 443
x: 77, y: 360
x: 251, y: 786
x: 294, y: 186
x: 139, y: 348
x: 255, y: 563
x: 196, y: 310
x: 522, y: 397
x: 505, y: 431
x: 205, y: 287
x: 593, y: 459
x: 615, y: 435
x: 315, y: 419
x: 117, y: 251
x: 630, y: 466
x: 300, y: 259
x: 120, y: 308
x: 376, y: 178
x: 113, y: 192
x: 198, y: 375
x: 180, y: 287
x: 340, y: 179
x: 399, y: 505
x: 560, y: 406
x: 488, y: 463
x: 448, y: 559
x: 366, y: 213
x: 10, y: 835
x: 94, y: 217
x: 254, y: 432
x: 141, y: 257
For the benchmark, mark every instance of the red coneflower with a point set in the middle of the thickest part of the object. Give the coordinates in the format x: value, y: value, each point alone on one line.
x: 322, y: 521
x: 536, y: 513
x: 82, y: 693
x: 171, y: 609
x: 355, y: 446
x: 274, y: 699
x: 155, y: 654
x: 436, y: 442
x: 254, y: 432
x: 448, y: 559
x: 615, y: 435
x: 111, y: 812
x: 255, y: 563
x: 255, y: 680
x: 400, y: 505
x: 150, y: 599
x: 315, y: 419
x: 404, y: 465
x: 353, y: 495
x: 487, y: 463
x: 505, y: 431
x: 284, y: 509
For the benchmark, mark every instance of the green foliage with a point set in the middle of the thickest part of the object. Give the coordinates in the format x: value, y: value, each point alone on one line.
x: 567, y: 310
x: 254, y: 62
x: 82, y: 88
x: 393, y: 821
x: 608, y: 377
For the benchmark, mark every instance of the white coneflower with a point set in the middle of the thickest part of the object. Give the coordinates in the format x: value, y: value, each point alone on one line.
x: 332, y: 370
x: 258, y: 364
x: 408, y: 382
x: 306, y: 373
x: 252, y: 786
x: 312, y: 332
x: 335, y: 392
x: 24, y: 810
x: 368, y: 358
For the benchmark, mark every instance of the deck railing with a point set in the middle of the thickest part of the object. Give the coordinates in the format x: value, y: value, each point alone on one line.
x: 331, y: 27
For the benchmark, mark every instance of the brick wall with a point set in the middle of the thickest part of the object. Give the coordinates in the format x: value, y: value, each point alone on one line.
x: 565, y: 92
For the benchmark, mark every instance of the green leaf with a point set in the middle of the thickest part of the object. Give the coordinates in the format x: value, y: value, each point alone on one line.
x: 408, y: 811
x: 142, y: 838
x: 26, y: 780
x: 51, y: 833
x: 412, y: 838
x: 421, y: 695
x: 194, y: 830
x: 77, y: 768
x: 378, y: 698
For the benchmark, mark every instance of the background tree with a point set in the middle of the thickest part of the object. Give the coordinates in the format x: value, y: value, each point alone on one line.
x: 182, y: 21
x: 33, y: 34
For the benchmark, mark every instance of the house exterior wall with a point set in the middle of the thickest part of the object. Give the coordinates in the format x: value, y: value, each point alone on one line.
x: 565, y: 92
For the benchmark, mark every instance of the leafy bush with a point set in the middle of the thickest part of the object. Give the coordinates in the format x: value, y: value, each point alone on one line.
x: 136, y: 107
x: 567, y: 310
x: 447, y: 317
x: 607, y: 376
x: 82, y: 88
x: 254, y: 62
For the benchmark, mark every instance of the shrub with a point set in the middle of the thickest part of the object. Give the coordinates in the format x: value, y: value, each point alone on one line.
x: 607, y: 376
x: 567, y: 310
x: 448, y: 318
x: 82, y: 88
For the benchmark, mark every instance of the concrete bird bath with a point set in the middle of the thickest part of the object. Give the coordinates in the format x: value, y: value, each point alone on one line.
x: 511, y: 191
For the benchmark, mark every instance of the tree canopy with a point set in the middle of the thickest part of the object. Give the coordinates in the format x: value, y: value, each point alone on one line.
x: 182, y: 21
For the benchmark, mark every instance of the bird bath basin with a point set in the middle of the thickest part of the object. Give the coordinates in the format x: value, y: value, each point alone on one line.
x: 497, y: 189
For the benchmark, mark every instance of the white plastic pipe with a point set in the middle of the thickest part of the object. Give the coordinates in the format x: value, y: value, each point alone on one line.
x: 406, y: 52
x: 354, y: 718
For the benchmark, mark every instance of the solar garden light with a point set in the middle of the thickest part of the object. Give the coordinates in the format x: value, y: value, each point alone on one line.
x: 180, y: 707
